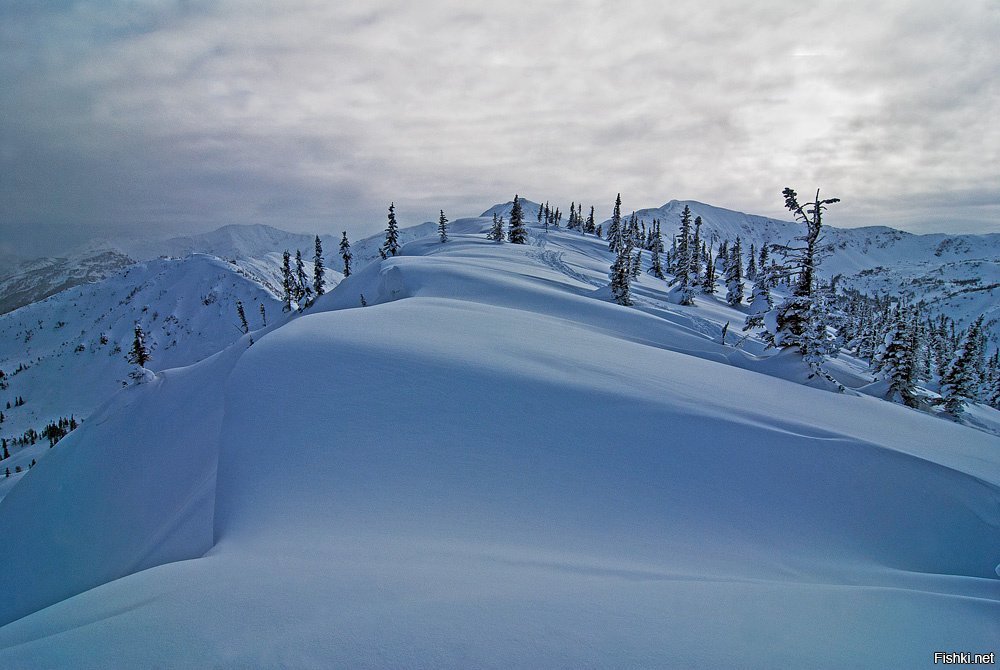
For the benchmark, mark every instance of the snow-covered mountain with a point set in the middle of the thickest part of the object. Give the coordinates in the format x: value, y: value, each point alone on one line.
x: 66, y: 355
x: 493, y: 465
x: 957, y: 275
x: 30, y: 281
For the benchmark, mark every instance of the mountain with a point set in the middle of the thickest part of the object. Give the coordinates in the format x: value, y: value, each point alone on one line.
x: 956, y: 275
x: 37, y: 279
x: 66, y: 355
x: 492, y: 464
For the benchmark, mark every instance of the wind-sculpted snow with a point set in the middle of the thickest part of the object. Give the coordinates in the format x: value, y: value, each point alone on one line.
x: 492, y: 465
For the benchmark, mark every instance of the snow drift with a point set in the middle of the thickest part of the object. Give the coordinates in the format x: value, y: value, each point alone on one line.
x: 490, y: 466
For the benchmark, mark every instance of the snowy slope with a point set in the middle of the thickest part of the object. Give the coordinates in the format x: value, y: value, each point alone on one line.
x: 66, y: 355
x: 494, y: 466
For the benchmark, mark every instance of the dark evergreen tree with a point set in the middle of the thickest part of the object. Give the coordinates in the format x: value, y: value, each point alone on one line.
x: 263, y: 316
x: 614, y: 228
x: 590, y: 227
x: 244, y: 326
x: 708, y: 281
x: 517, y: 233
x: 656, y: 248
x: 302, y: 288
x: 695, y: 252
x: 683, y: 262
x: 139, y: 354
x: 621, y: 275
x: 752, y: 264
x: 319, y: 270
x: 391, y: 245
x: 443, y: 227
x: 801, y: 319
x: 287, y: 281
x: 345, y: 253
x: 734, y: 275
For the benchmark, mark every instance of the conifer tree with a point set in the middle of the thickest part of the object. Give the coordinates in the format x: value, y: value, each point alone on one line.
x: 302, y: 288
x: 734, y: 275
x: 443, y: 227
x: 637, y: 264
x: 517, y: 233
x: 139, y: 354
x: 287, y: 281
x: 319, y: 270
x: 752, y: 263
x: 621, y: 275
x: 590, y: 226
x: 614, y: 228
x: 708, y: 281
x: 800, y: 321
x: 958, y: 385
x: 391, y: 245
x: 345, y: 254
x: 695, y: 252
x: 496, y: 232
x: 656, y: 248
x: 540, y: 213
x: 244, y: 326
x: 897, y: 359
x: 760, y: 299
x: 263, y: 316
x: 683, y: 261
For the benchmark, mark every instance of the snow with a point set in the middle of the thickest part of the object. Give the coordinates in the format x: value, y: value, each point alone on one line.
x: 492, y: 465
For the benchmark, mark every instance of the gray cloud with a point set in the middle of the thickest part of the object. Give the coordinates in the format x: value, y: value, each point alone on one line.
x: 313, y: 115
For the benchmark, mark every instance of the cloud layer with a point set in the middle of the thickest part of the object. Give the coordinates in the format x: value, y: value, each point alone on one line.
x: 170, y: 115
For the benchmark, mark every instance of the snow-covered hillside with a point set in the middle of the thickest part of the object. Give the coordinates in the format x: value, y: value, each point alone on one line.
x: 492, y: 465
x: 956, y: 275
x: 66, y: 355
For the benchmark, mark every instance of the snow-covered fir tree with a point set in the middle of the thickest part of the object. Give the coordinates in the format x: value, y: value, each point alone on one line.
x: 896, y: 360
x: 696, y: 252
x: 760, y: 299
x: 752, y: 264
x: 287, y: 281
x: 443, y: 227
x: 391, y: 245
x: 319, y: 268
x: 496, y: 232
x: 138, y: 355
x: 683, y: 262
x: 302, y: 288
x: 734, y: 275
x: 516, y: 231
x: 655, y: 249
x: 800, y: 321
x: 590, y: 226
x: 621, y: 275
x: 708, y: 280
x: 614, y: 228
x: 345, y: 254
x: 959, y: 383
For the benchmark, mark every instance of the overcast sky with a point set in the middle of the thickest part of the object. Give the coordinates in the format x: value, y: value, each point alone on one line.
x: 159, y: 116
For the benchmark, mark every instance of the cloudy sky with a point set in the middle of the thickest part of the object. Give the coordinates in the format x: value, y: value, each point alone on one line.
x: 155, y: 116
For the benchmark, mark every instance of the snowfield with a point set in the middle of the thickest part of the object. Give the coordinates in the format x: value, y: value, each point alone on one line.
x: 493, y: 465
